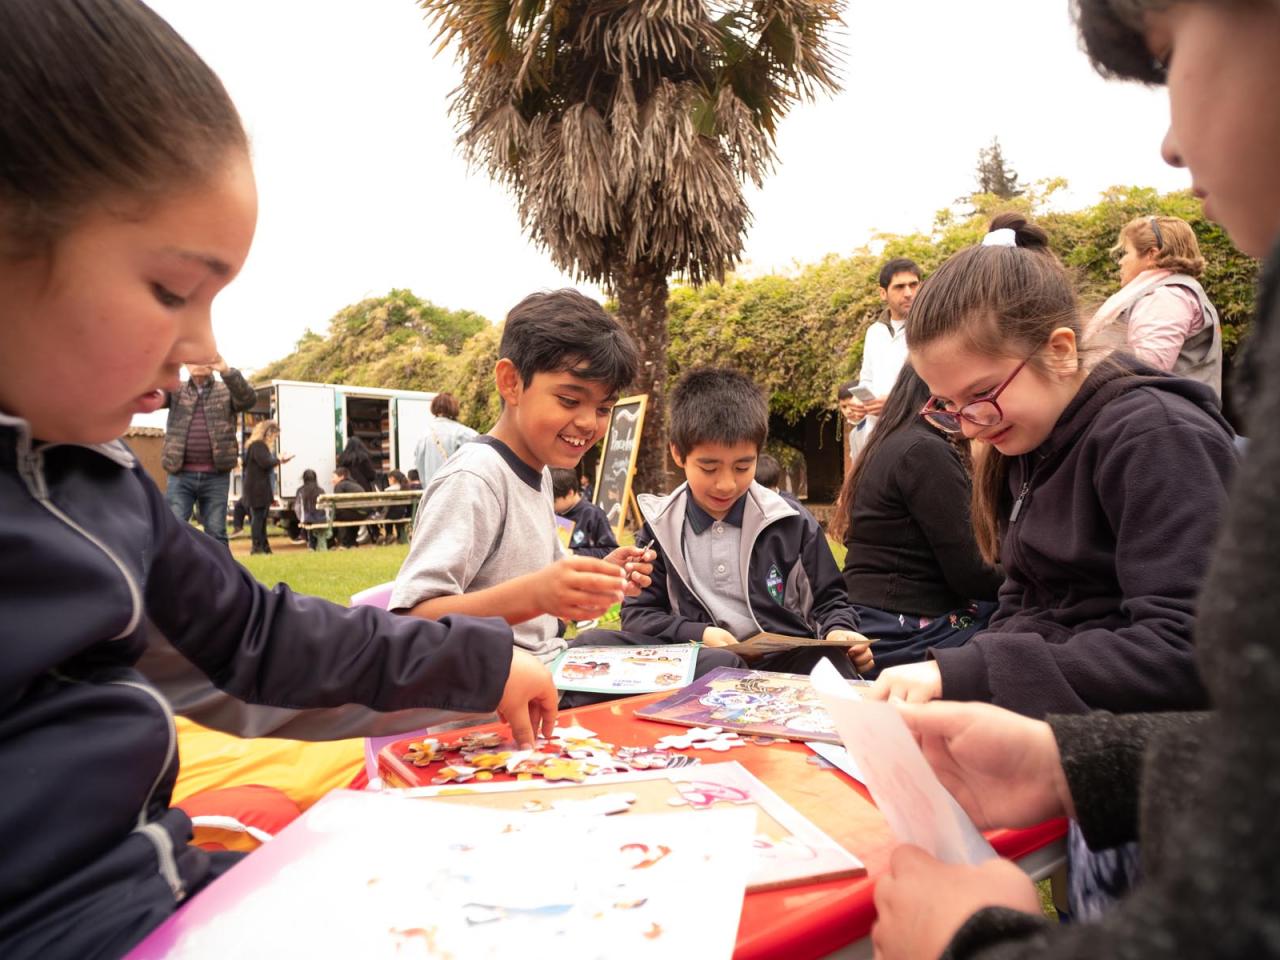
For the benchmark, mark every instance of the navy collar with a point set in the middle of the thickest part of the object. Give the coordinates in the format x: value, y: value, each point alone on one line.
x: 521, y: 469
x: 699, y: 519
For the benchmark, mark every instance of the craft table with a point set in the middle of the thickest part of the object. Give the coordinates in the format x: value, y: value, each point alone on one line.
x: 831, y: 918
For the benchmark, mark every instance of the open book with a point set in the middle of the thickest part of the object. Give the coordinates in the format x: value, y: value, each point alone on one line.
x: 756, y: 647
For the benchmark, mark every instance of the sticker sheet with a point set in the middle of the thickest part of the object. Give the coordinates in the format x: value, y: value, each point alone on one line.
x: 749, y: 701
x: 789, y: 848
x: 906, y: 790
x: 372, y: 876
x: 625, y: 670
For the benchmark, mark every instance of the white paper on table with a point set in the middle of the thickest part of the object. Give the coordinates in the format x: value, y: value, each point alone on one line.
x: 917, y: 806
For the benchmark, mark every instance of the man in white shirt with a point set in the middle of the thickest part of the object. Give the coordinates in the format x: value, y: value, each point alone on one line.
x: 884, y: 350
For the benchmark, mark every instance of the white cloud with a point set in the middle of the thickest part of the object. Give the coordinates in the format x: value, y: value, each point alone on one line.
x: 361, y: 187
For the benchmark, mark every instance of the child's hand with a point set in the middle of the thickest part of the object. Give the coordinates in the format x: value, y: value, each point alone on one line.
x: 912, y: 682
x: 718, y: 637
x: 922, y: 902
x: 637, y: 566
x: 578, y: 588
x: 860, y: 653
x: 529, y: 700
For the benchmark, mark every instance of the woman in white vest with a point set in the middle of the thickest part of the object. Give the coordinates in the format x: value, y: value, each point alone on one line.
x: 1161, y: 314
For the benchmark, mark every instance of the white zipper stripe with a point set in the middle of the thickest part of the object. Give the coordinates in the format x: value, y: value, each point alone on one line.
x: 163, y: 843
x: 34, y: 461
x: 170, y: 749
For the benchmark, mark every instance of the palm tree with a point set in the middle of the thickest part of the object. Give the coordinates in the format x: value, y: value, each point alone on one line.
x: 626, y: 131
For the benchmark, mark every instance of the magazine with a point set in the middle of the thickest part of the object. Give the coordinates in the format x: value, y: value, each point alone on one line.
x: 750, y: 701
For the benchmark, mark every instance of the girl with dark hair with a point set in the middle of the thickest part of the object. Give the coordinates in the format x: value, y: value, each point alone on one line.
x: 356, y: 458
x: 127, y: 203
x: 305, y: 506
x: 912, y: 569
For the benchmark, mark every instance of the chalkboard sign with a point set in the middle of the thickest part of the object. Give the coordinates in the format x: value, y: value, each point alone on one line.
x: 618, y: 461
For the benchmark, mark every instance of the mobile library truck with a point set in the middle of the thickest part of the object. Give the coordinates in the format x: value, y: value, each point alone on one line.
x: 317, y: 419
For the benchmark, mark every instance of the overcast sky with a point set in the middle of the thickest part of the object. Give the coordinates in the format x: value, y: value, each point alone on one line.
x: 362, y: 189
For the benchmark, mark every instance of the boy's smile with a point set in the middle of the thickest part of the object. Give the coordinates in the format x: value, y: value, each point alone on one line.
x: 554, y: 420
x: 718, y: 474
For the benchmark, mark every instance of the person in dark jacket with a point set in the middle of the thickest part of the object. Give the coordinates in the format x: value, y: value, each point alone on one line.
x: 200, y: 443
x: 260, y: 462
x: 912, y: 567
x: 360, y: 466
x: 700, y: 589
x: 1108, y: 486
x: 122, y: 215
x: 1196, y: 790
x: 592, y: 536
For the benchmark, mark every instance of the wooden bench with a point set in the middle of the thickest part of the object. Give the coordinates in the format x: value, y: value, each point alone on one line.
x: 331, y: 503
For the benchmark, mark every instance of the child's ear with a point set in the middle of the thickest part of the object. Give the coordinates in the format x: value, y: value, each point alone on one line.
x: 508, y: 381
x: 1064, y: 358
x: 675, y: 455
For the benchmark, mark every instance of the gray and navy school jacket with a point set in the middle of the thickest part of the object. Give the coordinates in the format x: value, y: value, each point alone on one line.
x: 789, y: 577
x: 93, y: 564
x: 592, y: 535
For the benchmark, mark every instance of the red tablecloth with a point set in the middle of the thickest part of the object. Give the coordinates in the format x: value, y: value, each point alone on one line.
x: 797, y: 922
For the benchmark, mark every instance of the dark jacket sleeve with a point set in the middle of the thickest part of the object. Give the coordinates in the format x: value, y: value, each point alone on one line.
x: 243, y: 396
x: 831, y: 607
x: 652, y: 613
x: 1103, y: 756
x: 282, y: 649
x: 1166, y: 491
x: 935, y: 489
x: 598, y: 539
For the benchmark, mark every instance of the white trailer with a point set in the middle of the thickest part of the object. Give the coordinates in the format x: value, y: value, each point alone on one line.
x: 316, y: 420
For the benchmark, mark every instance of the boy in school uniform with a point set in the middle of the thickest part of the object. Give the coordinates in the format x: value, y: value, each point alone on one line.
x: 734, y: 558
x: 485, y: 541
x: 592, y: 536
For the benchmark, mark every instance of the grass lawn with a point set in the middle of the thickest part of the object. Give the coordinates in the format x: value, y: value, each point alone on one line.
x: 334, y: 575
x: 337, y: 574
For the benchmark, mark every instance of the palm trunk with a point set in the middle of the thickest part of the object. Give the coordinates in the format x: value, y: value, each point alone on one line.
x: 641, y: 292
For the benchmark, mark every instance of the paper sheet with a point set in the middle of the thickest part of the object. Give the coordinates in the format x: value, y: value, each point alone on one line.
x: 917, y: 806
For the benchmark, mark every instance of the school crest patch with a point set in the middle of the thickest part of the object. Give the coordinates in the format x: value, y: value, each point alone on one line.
x: 773, y: 583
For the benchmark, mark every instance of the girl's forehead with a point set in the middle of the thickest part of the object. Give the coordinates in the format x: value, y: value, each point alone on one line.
x: 952, y: 367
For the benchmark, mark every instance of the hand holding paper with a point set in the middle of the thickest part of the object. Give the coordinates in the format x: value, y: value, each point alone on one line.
x: 904, y: 787
x: 1003, y: 768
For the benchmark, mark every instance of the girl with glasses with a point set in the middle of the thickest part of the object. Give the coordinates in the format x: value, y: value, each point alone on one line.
x: 1098, y: 490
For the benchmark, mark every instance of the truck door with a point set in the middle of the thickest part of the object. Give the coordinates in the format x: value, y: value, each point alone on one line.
x: 306, y: 415
x: 409, y: 416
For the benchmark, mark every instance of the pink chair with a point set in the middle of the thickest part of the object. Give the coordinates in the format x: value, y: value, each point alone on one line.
x: 379, y: 596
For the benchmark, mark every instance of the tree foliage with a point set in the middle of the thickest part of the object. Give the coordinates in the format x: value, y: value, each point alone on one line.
x: 799, y: 335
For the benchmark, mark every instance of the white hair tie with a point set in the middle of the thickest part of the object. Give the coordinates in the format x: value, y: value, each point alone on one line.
x: 1003, y: 237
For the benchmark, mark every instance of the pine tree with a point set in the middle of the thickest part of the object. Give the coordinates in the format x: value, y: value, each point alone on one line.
x: 994, y: 173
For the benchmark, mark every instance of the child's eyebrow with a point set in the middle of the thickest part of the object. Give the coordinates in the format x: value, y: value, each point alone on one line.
x: 584, y: 391
x: 213, y: 263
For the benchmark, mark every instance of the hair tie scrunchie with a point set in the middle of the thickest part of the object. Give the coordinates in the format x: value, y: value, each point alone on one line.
x: 1003, y: 237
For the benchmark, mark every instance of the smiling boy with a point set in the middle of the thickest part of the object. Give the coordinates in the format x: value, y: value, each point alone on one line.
x: 734, y: 558
x: 485, y: 541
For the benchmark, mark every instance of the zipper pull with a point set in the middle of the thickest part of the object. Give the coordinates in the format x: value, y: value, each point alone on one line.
x: 1017, y: 504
